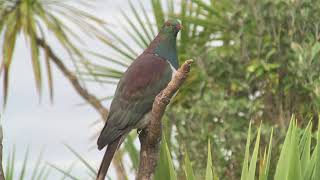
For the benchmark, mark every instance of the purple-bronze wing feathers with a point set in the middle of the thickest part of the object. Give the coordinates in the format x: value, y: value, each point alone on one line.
x: 136, y: 91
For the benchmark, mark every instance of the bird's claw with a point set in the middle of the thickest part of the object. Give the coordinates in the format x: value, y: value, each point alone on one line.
x: 166, y: 100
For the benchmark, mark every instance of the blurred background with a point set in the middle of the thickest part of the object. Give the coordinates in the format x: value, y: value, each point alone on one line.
x: 255, y: 61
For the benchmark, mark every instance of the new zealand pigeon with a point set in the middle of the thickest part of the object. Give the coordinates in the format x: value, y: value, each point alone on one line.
x: 145, y: 78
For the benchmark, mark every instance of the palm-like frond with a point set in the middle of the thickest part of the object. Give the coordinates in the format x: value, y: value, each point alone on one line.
x: 67, y: 173
x: 140, y: 26
x: 34, y: 19
x: 39, y: 171
x: 140, y: 30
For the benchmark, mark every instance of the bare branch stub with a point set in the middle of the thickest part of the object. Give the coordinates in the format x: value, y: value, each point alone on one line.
x: 150, y: 137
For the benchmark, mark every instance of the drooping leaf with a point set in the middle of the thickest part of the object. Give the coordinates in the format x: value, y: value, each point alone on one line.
x: 245, y: 166
x: 209, y: 173
x: 254, y: 157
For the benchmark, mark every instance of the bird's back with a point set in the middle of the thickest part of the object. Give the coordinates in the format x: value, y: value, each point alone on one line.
x: 134, y: 96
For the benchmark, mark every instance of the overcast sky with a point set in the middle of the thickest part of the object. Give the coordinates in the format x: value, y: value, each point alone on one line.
x: 40, y: 125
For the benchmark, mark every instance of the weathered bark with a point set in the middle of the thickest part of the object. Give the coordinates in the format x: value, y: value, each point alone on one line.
x: 150, y: 137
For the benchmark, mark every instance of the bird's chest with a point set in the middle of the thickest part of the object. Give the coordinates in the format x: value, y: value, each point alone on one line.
x: 171, y: 66
x: 147, y: 117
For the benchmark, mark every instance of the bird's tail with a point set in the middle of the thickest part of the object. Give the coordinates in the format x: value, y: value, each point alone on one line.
x: 107, y: 158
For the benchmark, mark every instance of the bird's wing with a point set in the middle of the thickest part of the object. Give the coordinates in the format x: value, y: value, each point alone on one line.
x: 136, y: 91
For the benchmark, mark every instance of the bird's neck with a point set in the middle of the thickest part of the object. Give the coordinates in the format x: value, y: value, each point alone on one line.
x: 165, y: 46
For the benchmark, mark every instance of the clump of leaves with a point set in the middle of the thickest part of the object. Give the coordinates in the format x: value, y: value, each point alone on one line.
x: 39, y: 171
x: 34, y: 19
x: 298, y: 160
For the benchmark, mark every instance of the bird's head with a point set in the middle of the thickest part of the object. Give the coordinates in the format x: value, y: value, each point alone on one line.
x: 165, y: 43
x: 172, y: 26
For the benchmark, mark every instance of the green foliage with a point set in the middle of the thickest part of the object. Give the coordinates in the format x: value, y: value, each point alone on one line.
x: 34, y: 19
x: 296, y: 152
x: 39, y: 171
x: 165, y: 169
x: 265, y: 163
x: 131, y: 149
x: 249, y: 170
x: 188, y: 168
x: 262, y: 69
x: 209, y: 173
x: 298, y: 158
x: 67, y: 173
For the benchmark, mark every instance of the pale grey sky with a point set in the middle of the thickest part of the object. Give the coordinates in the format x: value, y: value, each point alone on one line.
x: 26, y: 122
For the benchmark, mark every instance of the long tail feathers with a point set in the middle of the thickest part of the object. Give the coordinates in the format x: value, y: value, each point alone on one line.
x: 107, y: 158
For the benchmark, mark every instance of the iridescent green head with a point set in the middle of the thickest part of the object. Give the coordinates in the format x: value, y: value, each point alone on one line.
x: 172, y: 26
x: 167, y: 47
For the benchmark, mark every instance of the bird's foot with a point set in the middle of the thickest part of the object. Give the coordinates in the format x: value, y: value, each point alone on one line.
x: 165, y: 100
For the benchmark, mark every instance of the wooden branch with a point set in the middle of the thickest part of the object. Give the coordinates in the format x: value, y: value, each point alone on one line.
x: 91, y: 99
x: 150, y: 137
